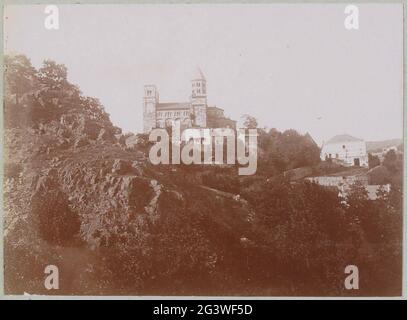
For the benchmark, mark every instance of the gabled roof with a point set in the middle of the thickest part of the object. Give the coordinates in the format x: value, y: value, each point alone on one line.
x: 173, y: 106
x: 343, y: 138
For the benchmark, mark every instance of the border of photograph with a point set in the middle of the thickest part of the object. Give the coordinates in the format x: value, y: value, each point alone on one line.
x: 191, y: 2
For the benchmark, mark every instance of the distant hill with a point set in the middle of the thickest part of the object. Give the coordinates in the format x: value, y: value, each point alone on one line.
x: 379, y: 145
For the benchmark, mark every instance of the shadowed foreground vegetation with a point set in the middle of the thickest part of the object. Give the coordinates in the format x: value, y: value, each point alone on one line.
x: 76, y: 196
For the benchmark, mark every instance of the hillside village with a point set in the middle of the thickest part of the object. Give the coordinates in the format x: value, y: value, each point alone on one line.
x: 80, y: 193
x: 350, y: 155
x: 355, y: 165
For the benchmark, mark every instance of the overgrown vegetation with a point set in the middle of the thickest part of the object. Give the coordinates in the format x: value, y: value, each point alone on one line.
x: 77, y: 198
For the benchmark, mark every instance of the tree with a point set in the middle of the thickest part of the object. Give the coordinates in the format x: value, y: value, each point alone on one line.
x: 390, y: 161
x: 301, y: 231
x: 20, y: 76
x: 379, y: 175
x: 52, y: 74
x: 374, y: 161
x: 280, y: 151
x: 380, y: 233
x: 249, y: 122
x: 36, y: 97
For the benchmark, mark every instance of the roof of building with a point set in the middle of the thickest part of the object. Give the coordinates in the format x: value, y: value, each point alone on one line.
x: 215, y: 108
x: 343, y: 138
x: 173, y: 106
x: 198, y: 75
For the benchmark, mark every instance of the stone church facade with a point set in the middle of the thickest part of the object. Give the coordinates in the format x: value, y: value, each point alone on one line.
x: 194, y: 113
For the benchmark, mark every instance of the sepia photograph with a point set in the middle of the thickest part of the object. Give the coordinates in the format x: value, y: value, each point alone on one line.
x: 203, y: 150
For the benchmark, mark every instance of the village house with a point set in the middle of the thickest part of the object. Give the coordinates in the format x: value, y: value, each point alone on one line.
x: 345, y: 150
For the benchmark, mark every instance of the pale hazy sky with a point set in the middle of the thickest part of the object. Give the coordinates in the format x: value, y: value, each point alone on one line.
x: 291, y: 66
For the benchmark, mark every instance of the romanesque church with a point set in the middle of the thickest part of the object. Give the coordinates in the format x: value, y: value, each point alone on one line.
x: 194, y: 113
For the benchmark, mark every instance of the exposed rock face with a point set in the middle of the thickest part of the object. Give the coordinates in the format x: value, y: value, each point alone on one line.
x: 151, y: 208
x: 122, y: 167
x: 104, y: 202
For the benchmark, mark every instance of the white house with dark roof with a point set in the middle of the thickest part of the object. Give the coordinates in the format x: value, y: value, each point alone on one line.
x: 346, y: 150
x: 193, y: 113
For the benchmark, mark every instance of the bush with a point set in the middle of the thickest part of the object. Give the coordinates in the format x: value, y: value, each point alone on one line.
x: 57, y: 224
x: 379, y: 175
x: 374, y: 161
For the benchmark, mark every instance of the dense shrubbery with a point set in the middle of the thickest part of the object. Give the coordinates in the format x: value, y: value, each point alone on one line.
x: 51, y: 214
x: 281, y: 151
x: 312, y: 236
x: 221, y: 179
x: 379, y: 175
x: 374, y: 161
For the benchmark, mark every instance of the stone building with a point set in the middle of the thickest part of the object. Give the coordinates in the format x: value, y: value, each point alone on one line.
x: 346, y: 150
x: 194, y: 113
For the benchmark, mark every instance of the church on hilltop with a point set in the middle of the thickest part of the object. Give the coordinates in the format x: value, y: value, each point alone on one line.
x: 194, y: 113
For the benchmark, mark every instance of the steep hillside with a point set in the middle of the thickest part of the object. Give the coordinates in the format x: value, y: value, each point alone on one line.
x: 82, y: 197
x: 101, y: 200
x: 78, y: 197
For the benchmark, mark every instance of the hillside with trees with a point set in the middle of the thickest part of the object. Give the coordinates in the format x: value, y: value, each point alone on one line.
x: 78, y: 197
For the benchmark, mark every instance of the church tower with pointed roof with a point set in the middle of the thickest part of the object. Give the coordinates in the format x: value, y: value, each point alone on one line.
x: 198, y: 98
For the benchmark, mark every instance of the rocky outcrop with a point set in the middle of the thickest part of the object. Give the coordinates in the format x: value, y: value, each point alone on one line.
x: 81, y: 195
x: 98, y: 196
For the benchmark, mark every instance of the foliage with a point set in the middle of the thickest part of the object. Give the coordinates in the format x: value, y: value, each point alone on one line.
x: 35, y: 97
x: 249, y: 122
x: 374, y: 161
x: 394, y: 164
x: 379, y: 175
x: 278, y: 238
x: 281, y: 151
x: 20, y: 77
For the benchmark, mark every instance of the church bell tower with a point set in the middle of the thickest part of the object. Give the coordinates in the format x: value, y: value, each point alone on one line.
x: 150, y: 102
x: 198, y: 98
